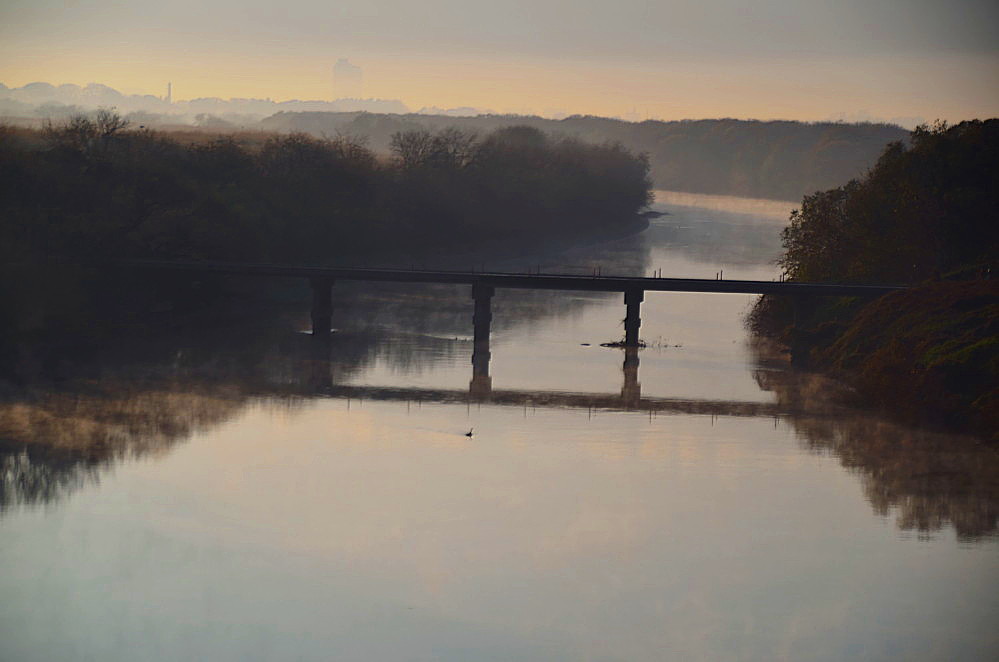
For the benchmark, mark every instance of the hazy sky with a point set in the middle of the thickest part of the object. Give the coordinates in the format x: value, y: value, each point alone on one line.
x: 801, y: 59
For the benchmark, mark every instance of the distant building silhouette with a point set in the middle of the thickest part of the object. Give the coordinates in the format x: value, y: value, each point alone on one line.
x: 346, y: 80
x: 169, y: 96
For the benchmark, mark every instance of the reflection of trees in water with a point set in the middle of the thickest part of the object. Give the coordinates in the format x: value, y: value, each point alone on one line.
x: 33, y: 475
x: 68, y: 412
x: 929, y: 479
x: 57, y: 442
x: 75, y: 412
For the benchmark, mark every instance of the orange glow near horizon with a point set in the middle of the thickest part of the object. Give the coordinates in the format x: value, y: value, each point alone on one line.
x: 946, y: 88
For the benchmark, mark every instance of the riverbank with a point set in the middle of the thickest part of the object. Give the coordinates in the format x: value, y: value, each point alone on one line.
x: 928, y: 355
x: 924, y: 216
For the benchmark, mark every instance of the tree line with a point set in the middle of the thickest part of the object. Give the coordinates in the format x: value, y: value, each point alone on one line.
x: 92, y: 187
x: 920, y: 212
x: 765, y: 159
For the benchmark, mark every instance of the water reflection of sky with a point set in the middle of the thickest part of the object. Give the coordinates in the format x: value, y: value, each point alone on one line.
x: 380, y: 533
x: 205, y: 504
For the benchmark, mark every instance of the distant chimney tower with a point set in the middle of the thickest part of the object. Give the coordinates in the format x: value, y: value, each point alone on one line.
x: 346, y: 80
x: 169, y: 96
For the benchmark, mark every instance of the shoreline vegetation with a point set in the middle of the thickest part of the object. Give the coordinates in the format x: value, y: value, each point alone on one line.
x: 926, y: 216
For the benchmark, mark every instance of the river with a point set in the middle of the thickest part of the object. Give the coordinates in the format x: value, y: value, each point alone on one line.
x: 239, y: 494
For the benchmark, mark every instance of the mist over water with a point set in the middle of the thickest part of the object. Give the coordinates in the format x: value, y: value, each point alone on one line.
x: 238, y: 493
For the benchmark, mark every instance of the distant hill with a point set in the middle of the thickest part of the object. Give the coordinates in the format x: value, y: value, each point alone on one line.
x: 777, y: 159
x: 43, y: 100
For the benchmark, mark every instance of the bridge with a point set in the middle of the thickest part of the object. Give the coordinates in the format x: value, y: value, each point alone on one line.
x: 484, y: 284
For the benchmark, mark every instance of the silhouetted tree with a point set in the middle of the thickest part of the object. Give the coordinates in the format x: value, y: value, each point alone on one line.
x: 921, y: 211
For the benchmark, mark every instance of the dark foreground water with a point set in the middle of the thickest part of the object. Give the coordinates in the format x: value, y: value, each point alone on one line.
x: 241, y: 494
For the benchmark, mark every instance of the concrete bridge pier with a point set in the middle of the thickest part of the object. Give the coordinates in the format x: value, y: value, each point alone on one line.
x: 481, y: 321
x: 322, y: 306
x: 632, y: 319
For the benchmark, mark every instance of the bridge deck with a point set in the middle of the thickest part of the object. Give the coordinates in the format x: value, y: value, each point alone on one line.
x: 522, y: 280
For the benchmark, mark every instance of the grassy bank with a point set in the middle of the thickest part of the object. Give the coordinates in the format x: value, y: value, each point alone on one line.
x: 927, y: 355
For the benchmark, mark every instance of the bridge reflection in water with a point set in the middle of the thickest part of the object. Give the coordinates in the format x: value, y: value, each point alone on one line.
x: 480, y: 390
x: 59, y: 440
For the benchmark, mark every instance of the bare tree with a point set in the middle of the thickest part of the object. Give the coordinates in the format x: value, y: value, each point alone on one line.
x: 108, y: 122
x: 450, y: 148
x: 412, y: 148
x: 83, y: 133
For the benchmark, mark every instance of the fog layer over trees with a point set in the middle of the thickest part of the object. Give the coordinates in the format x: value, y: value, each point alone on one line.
x: 782, y: 160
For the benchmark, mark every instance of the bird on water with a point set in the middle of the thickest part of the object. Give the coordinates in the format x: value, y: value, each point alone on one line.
x: 469, y: 433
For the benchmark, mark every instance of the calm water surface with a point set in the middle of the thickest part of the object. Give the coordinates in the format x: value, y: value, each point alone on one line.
x: 245, y: 495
